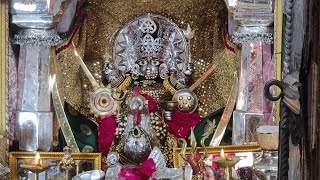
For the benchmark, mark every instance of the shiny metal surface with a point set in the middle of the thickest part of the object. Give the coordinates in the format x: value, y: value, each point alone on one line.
x: 29, y: 7
x: 102, y: 103
x: 168, y: 174
x: 114, y: 166
x: 37, y: 37
x: 35, y: 130
x: 187, y: 100
x: 149, y: 46
x: 93, y: 175
x: 158, y: 158
x: 36, y: 21
x: 34, y: 119
x: 138, y: 145
x: 267, y: 166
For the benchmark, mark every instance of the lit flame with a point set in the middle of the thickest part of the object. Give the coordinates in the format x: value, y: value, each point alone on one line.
x: 37, y: 160
x: 222, y: 153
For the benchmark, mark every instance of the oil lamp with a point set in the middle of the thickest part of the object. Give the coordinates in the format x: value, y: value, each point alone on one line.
x: 227, y: 162
x: 36, y: 166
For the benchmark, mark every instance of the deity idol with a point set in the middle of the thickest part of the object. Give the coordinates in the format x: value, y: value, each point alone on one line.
x: 152, y: 52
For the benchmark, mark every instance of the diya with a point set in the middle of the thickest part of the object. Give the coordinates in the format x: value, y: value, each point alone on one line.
x: 227, y: 162
x: 36, y: 166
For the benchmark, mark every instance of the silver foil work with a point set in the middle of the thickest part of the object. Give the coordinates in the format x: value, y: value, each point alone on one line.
x: 35, y: 130
x: 37, y: 37
x: 251, y: 34
x: 114, y: 166
x: 169, y: 174
x: 244, y: 126
x: 29, y: 7
x: 158, y: 158
x: 36, y: 21
x: 138, y: 145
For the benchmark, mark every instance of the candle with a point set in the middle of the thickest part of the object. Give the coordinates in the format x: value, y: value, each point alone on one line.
x: 37, y: 159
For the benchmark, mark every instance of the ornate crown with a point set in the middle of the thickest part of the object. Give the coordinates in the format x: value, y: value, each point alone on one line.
x: 151, y: 37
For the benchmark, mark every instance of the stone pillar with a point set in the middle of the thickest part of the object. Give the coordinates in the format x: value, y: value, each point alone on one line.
x: 36, y: 36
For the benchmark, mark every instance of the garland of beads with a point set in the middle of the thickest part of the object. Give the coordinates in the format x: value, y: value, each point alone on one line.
x: 121, y: 127
x: 158, y: 126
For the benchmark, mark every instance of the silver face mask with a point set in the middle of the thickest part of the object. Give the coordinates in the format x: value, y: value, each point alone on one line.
x: 149, y: 68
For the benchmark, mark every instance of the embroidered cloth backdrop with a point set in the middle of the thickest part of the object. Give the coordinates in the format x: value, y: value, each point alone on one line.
x: 95, y: 41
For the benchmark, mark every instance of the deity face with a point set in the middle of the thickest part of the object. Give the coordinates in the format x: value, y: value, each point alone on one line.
x: 149, y: 67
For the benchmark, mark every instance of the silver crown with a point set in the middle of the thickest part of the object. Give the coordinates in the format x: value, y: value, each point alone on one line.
x: 150, y: 37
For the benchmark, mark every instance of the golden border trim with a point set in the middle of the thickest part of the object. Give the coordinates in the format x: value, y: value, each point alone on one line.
x: 214, y: 150
x: 3, y: 76
x: 3, y: 67
x: 13, y: 156
x: 278, y: 50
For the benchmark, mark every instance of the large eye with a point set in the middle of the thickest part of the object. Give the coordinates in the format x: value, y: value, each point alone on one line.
x: 155, y: 62
x: 143, y: 62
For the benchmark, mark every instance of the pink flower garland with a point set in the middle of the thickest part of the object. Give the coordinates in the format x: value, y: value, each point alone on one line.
x: 181, y: 123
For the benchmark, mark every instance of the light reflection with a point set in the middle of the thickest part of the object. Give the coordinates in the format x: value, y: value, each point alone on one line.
x: 232, y: 3
x: 25, y: 7
x: 48, y: 5
x: 52, y: 80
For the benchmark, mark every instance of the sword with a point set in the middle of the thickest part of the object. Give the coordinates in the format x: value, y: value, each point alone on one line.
x: 219, y: 132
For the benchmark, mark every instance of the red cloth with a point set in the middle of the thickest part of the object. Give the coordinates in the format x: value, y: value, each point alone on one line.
x: 181, y: 123
x: 106, y: 130
x: 152, y: 103
x: 142, y: 173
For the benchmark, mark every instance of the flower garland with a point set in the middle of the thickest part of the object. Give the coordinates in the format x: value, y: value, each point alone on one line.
x: 106, y: 131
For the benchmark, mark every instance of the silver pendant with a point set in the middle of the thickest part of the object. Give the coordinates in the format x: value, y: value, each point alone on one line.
x: 137, y: 145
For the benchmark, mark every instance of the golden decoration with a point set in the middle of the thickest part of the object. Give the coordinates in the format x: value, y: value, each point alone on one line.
x: 4, y: 120
x: 15, y: 156
x: 96, y: 38
x: 167, y: 85
x: 177, y: 152
x: 125, y: 84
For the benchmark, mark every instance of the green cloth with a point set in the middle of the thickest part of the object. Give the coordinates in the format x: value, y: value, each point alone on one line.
x: 208, y: 125
x: 84, y: 130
